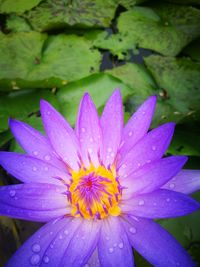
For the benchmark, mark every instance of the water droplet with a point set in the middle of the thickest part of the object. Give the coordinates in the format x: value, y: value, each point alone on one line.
x: 138, y: 164
x: 51, y: 233
x: 34, y: 169
x: 153, y: 148
x: 171, y: 186
x: 46, y: 168
x: 23, y: 163
x: 155, y: 204
x: 48, y: 112
x: 35, y: 259
x: 46, y: 259
x: 115, y: 245
x: 90, y: 150
x: 141, y: 202
x: 109, y: 149
x: 111, y: 250
x: 148, y: 161
x: 168, y: 199
x: 121, y: 245
x: 123, y: 166
x: 130, y: 133
x: 112, y: 154
x: 60, y: 237
x: 36, y: 247
x: 107, y: 238
x: 86, y: 265
x: 91, y: 140
x: 12, y: 193
x: 143, y: 112
x: 66, y: 232
x: 178, y: 264
x: 132, y: 230
x: 51, y: 246
x: 83, y: 130
x: 47, y: 157
x: 35, y: 153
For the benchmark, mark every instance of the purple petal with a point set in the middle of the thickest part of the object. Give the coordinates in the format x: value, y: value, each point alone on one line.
x: 160, y: 204
x: 34, y: 143
x: 31, y: 170
x: 112, y: 124
x: 186, y: 181
x: 82, y: 245
x: 138, y: 125
x: 33, y: 251
x: 89, y: 131
x: 148, y: 149
x: 156, y: 244
x: 114, y: 247
x: 94, y: 260
x: 152, y: 176
x: 38, y: 202
x: 61, y: 135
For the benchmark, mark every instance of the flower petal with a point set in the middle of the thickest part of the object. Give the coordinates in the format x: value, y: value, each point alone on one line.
x: 156, y: 244
x: 33, y: 251
x: 114, y: 247
x: 160, y: 204
x: 38, y: 202
x: 152, y: 176
x: 148, y: 149
x: 89, y: 131
x: 112, y: 124
x: 61, y: 135
x: 34, y: 143
x: 82, y: 245
x: 138, y: 125
x: 31, y: 170
x: 186, y: 181
x: 94, y: 260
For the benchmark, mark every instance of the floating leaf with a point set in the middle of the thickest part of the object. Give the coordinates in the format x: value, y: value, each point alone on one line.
x: 17, y: 24
x: 100, y: 86
x: 32, y: 60
x: 22, y: 104
x: 60, y: 14
x: 19, y: 6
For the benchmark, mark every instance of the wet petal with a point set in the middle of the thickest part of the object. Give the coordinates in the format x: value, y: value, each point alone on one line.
x: 82, y: 244
x: 138, y: 125
x: 61, y: 135
x: 94, y: 260
x: 160, y: 204
x: 33, y: 251
x: 114, y: 247
x: 34, y: 143
x: 148, y: 149
x: 31, y: 170
x: 186, y: 181
x: 152, y: 176
x: 112, y: 124
x: 38, y: 202
x: 89, y: 131
x: 156, y: 244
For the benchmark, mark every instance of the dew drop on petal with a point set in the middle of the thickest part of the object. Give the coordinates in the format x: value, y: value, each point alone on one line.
x: 115, y: 245
x: 109, y: 149
x: 91, y: 140
x: 48, y: 112
x: 86, y: 265
x: 143, y: 112
x: 141, y: 202
x: 35, y: 153
x: 90, y: 150
x: 46, y: 259
x: 83, y: 130
x: 121, y: 245
x: 35, y: 259
x: 47, y: 157
x: 148, y: 161
x: 153, y: 148
x: 123, y: 166
x: 171, y: 186
x: 36, y: 247
x: 130, y: 133
x: 107, y: 238
x: 132, y: 230
x: 66, y: 232
x: 111, y: 250
x: 12, y: 193
x: 34, y: 169
x: 168, y: 199
x: 46, y: 168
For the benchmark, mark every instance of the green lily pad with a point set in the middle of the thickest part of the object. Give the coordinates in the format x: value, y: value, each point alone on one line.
x: 128, y: 4
x: 61, y: 14
x: 22, y: 104
x: 163, y: 28
x: 34, y: 60
x: 100, y: 86
x: 15, y: 23
x: 19, y: 6
x: 179, y: 83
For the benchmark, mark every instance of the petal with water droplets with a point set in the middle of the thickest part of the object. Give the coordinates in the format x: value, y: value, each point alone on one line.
x: 138, y: 125
x: 156, y: 244
x: 114, y: 248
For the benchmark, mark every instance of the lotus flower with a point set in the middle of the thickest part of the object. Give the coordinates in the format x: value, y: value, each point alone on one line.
x: 98, y: 187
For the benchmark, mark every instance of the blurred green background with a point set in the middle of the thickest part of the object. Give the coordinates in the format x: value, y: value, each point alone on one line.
x: 58, y: 49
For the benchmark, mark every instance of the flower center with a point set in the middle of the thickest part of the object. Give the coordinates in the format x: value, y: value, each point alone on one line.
x: 94, y: 193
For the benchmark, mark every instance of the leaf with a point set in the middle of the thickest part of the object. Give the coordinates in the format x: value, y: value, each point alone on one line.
x: 179, y: 83
x: 5, y: 137
x: 193, y: 50
x: 164, y: 28
x: 128, y: 4
x: 44, y: 62
x: 17, y: 24
x: 100, y: 86
x: 54, y: 14
x: 19, y: 6
x: 21, y: 104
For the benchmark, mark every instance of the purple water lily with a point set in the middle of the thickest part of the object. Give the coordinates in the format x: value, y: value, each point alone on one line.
x: 99, y: 187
